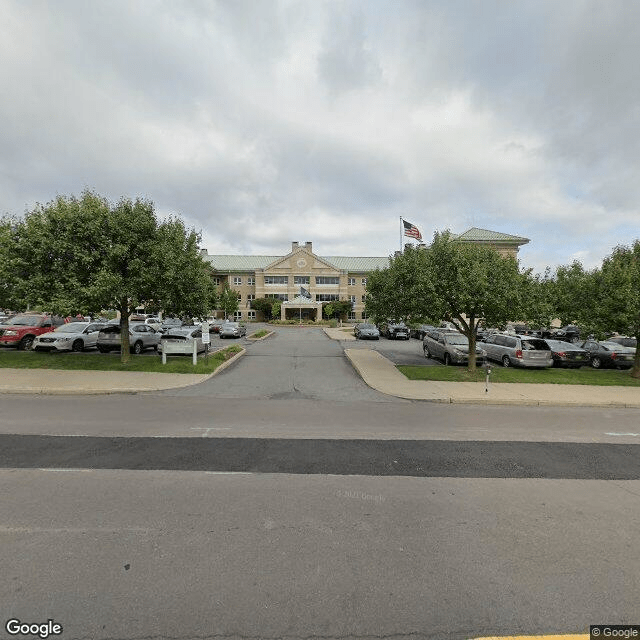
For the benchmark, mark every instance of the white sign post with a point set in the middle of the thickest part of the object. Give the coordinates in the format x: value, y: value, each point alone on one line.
x: 206, y: 340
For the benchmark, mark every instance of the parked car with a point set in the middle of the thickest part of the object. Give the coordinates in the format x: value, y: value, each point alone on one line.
x: 183, y: 337
x: 625, y: 341
x: 609, y: 354
x: 569, y: 333
x: 73, y: 336
x: 154, y: 322
x: 215, y: 324
x: 394, y: 330
x: 366, y: 330
x: 519, y: 351
x: 170, y: 323
x: 232, y: 330
x: 450, y: 347
x: 21, y: 330
x: 567, y: 354
x: 141, y: 337
x: 419, y: 331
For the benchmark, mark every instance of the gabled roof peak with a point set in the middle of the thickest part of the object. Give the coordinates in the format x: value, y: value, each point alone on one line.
x: 476, y: 234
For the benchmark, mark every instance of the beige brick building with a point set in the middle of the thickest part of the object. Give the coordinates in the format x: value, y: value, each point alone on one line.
x: 324, y: 278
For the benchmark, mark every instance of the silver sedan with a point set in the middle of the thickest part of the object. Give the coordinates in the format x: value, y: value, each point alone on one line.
x: 232, y: 330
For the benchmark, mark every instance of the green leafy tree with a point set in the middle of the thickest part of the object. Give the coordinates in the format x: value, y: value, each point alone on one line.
x: 400, y: 292
x: 616, y: 295
x: 276, y: 308
x: 264, y: 305
x: 336, y: 309
x: 228, y: 300
x: 458, y: 282
x: 573, y: 294
x: 539, y: 299
x: 78, y: 255
x: 469, y: 284
x: 9, y: 277
x: 186, y: 279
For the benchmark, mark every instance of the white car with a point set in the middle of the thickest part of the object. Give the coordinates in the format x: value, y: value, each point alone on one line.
x: 74, y: 336
x: 154, y: 322
x: 181, y: 340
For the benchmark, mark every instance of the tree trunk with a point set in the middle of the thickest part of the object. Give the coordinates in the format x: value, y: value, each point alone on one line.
x: 125, y: 352
x: 472, y: 344
x: 635, y: 372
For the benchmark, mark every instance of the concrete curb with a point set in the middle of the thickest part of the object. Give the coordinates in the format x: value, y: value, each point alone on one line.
x: 338, y: 334
x: 381, y: 374
x: 225, y: 364
x: 261, y: 338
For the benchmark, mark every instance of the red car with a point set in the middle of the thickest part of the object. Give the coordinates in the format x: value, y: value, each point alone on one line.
x: 23, y: 329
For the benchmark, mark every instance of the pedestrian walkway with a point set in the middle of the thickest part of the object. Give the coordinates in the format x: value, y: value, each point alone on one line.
x: 58, y: 381
x: 377, y: 371
x: 381, y: 374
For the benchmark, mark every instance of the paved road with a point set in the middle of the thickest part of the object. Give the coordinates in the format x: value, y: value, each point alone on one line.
x: 296, y: 363
x: 259, y: 505
x: 419, y: 458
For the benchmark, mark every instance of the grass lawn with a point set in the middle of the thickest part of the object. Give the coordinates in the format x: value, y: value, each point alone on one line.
x: 584, y: 375
x: 259, y: 334
x: 111, y: 362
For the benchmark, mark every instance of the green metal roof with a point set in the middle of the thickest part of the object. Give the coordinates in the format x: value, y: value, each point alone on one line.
x: 240, y: 263
x: 484, y: 235
x: 364, y: 264
x: 251, y: 263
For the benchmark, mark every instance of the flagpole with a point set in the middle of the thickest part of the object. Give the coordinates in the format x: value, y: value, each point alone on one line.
x: 400, y: 234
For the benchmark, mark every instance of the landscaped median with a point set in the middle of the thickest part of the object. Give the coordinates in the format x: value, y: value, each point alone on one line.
x: 107, y: 362
x: 260, y: 335
x: 584, y: 375
x: 455, y: 384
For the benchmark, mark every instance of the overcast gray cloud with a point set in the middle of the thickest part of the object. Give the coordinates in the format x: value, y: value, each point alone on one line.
x: 262, y: 122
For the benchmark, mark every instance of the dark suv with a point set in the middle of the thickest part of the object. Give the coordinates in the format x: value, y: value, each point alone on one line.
x: 25, y: 327
x: 394, y: 330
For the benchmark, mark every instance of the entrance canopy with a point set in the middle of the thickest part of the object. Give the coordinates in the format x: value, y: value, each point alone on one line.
x: 300, y: 306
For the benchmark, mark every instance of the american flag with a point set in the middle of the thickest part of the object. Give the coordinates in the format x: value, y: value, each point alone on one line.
x: 304, y: 293
x: 411, y: 230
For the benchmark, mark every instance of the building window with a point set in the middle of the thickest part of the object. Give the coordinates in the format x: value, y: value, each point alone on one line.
x: 364, y: 281
x: 352, y: 299
x: 364, y: 298
x: 277, y: 296
x: 239, y: 297
x: 301, y: 279
x: 352, y: 315
x: 217, y: 281
x: 237, y: 280
x: 251, y: 281
x: 326, y: 297
x: 237, y: 315
x: 325, y: 280
x: 276, y: 279
x: 251, y: 296
x: 352, y: 282
x: 251, y: 315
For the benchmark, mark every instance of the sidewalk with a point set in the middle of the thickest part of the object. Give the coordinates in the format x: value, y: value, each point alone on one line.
x: 382, y: 375
x: 376, y: 371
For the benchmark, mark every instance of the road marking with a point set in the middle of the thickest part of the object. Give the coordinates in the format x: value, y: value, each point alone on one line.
x: 206, y: 430
x: 622, y: 434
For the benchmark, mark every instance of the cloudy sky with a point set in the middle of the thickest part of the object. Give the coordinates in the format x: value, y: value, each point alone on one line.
x: 266, y: 121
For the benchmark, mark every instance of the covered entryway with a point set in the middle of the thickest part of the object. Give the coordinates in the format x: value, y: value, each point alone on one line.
x: 301, y: 308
